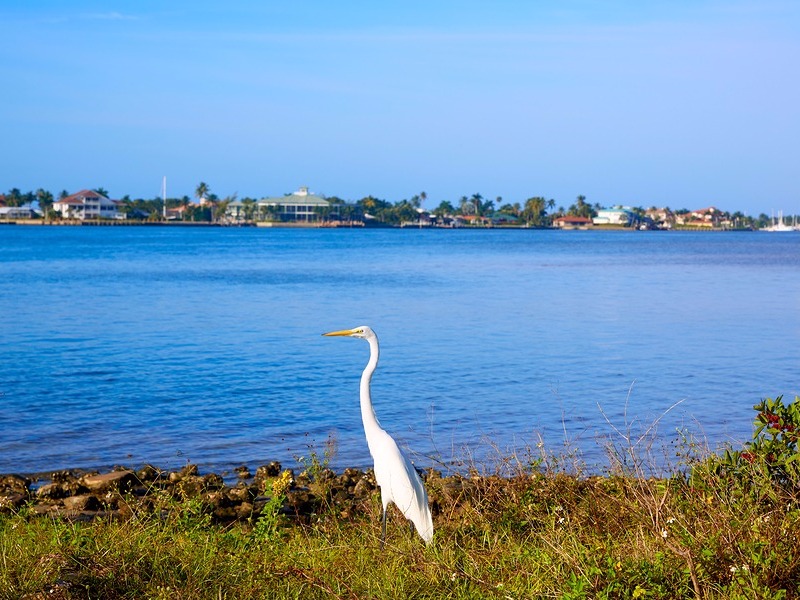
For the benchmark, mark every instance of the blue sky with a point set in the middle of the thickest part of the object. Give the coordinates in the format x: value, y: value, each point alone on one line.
x: 681, y: 104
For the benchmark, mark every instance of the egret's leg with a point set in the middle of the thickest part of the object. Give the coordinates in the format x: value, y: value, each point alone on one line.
x: 411, y: 528
x: 383, y: 529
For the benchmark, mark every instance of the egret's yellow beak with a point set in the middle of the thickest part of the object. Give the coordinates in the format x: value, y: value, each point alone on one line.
x: 342, y: 332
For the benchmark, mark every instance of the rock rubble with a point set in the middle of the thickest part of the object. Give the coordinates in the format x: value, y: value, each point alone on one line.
x: 124, y: 492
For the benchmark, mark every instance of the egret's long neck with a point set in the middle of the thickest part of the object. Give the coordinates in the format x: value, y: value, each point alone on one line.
x: 367, y: 412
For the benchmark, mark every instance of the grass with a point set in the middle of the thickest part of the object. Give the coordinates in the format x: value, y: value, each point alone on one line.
x: 719, y: 527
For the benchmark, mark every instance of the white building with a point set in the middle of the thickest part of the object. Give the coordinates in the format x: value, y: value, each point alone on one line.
x: 298, y: 206
x: 88, y: 204
x: 617, y: 215
x: 26, y: 211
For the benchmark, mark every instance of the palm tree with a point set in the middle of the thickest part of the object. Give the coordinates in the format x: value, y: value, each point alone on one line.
x: 422, y: 197
x: 346, y: 211
x: 272, y: 212
x: 220, y: 207
x: 248, y: 208
x: 581, y: 209
x: 444, y: 209
x: 477, y: 200
x: 202, y: 190
x: 322, y: 213
x: 14, y: 197
x: 185, y: 201
x: 368, y: 203
x: 533, y: 213
x: 45, y: 200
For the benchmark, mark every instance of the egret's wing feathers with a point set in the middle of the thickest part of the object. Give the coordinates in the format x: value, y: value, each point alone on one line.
x: 401, y: 485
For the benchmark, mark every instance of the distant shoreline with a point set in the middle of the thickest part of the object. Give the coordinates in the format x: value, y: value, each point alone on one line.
x: 339, y: 225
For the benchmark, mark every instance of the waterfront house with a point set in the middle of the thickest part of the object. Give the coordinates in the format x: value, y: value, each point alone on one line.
x: 175, y: 213
x: 703, y: 218
x: 572, y: 222
x: 11, y: 213
x: 617, y: 215
x: 663, y: 218
x: 706, y: 217
x: 424, y: 219
x: 500, y: 219
x: 88, y: 204
x: 299, y: 206
x: 235, y: 212
x: 472, y: 221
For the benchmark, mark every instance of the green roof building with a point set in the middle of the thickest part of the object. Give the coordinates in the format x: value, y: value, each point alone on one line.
x: 298, y: 206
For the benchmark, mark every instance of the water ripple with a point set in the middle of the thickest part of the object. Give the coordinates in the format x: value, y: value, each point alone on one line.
x: 133, y: 345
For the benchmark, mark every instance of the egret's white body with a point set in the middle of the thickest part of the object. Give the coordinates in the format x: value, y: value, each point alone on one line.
x: 396, y: 476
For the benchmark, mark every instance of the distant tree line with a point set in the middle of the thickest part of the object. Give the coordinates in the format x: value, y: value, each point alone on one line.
x: 536, y: 211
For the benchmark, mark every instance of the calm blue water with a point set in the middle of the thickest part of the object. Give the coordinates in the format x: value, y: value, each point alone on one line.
x: 167, y: 345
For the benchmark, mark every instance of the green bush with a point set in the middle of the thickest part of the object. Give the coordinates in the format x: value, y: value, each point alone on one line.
x: 773, y: 450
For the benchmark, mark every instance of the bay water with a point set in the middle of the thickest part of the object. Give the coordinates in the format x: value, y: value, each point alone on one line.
x: 168, y: 345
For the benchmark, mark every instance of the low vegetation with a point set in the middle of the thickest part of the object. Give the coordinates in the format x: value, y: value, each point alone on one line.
x: 716, y: 526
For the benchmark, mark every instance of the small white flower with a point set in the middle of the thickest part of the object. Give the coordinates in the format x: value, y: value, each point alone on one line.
x: 561, y: 520
x: 664, y: 533
x: 735, y: 569
x: 670, y: 521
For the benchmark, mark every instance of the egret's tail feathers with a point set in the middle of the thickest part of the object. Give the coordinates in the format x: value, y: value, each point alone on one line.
x: 422, y: 520
x: 425, y: 526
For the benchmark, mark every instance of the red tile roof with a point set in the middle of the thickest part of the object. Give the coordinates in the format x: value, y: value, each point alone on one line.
x: 704, y: 211
x: 79, y: 196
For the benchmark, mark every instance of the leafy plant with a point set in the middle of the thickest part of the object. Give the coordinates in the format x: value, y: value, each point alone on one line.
x: 266, y: 527
x: 774, y: 447
x: 193, y: 515
x: 314, y: 464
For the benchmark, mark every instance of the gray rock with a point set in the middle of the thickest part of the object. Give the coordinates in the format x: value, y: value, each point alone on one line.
x: 83, y: 502
x: 51, y: 491
x: 12, y: 501
x: 363, y: 488
x: 14, y: 483
x: 149, y: 473
x: 116, y: 480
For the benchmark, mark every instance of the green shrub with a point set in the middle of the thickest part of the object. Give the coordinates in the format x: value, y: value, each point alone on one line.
x: 773, y: 451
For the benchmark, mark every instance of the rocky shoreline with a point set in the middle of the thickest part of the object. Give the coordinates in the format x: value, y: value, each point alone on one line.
x: 122, y: 492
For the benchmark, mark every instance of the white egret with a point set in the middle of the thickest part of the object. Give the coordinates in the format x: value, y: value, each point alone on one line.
x: 396, y: 476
